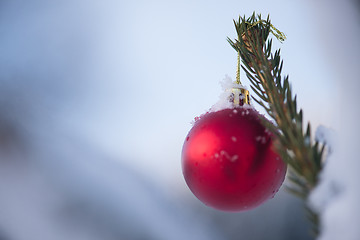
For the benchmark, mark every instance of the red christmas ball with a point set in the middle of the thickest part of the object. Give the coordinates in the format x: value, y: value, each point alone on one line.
x: 229, y: 162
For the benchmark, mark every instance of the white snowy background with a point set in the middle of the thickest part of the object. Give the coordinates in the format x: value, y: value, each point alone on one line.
x: 96, y: 98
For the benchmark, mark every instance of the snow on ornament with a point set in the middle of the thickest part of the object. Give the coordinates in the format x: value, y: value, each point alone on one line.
x: 228, y: 157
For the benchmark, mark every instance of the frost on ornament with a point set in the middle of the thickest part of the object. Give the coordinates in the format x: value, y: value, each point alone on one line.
x: 223, y: 103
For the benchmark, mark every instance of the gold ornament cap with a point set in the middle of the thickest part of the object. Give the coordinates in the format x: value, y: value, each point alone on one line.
x: 239, y: 96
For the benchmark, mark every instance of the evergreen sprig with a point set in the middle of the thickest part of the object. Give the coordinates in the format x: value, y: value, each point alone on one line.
x: 294, y: 143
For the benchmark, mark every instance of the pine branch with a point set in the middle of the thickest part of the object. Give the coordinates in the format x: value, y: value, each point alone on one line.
x: 263, y: 69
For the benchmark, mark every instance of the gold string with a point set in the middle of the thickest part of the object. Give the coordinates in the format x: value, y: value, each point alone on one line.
x: 276, y: 32
x: 238, y: 69
x: 279, y: 35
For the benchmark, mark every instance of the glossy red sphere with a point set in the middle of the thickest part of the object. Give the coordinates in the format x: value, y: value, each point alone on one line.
x: 229, y: 162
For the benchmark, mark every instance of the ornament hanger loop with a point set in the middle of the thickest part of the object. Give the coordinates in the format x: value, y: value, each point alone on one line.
x: 276, y: 32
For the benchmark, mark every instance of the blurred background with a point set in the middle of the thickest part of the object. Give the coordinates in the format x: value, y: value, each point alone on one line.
x: 96, y: 98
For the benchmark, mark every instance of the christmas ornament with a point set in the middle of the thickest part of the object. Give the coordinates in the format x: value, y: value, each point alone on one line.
x: 228, y: 158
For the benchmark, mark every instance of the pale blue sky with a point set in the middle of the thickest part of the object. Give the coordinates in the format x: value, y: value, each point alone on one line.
x: 131, y: 76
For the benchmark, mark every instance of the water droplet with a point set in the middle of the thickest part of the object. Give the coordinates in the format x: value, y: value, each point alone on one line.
x: 267, y: 132
x: 261, y: 139
x: 234, y: 158
x: 216, y: 155
x: 230, y: 115
x: 235, y: 111
x: 233, y: 139
x: 277, y: 170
